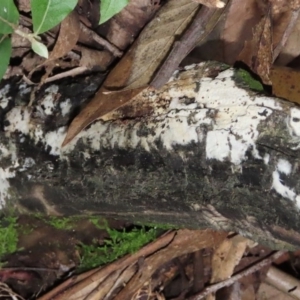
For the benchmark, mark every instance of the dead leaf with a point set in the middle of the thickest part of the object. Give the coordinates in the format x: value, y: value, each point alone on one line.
x: 156, y: 40
x: 257, y: 53
x: 68, y: 36
x: 287, y: 47
x: 135, y: 70
x: 91, y: 58
x: 90, y: 38
x: 122, y: 29
x: 227, y: 256
x: 285, y: 83
x: 242, y: 16
x: 66, y: 41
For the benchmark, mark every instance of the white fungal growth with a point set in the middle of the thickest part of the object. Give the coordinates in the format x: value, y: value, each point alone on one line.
x: 19, y: 120
x: 217, y: 144
x: 4, y: 185
x: 298, y: 201
x: 238, y: 116
x: 48, y: 103
x: 6, y: 173
x: 284, y: 166
x: 266, y: 158
x: 24, y: 89
x: 65, y: 107
x: 174, y: 128
x: 4, y: 99
x: 282, y: 189
x: 232, y: 114
x: 293, y: 122
x: 54, y: 139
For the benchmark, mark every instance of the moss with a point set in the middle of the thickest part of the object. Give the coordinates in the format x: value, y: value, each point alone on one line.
x: 61, y: 222
x: 119, y: 244
x: 246, y: 79
x: 8, y: 235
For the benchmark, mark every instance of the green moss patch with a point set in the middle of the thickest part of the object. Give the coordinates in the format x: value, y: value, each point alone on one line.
x: 117, y: 245
x: 8, y: 235
x: 246, y: 79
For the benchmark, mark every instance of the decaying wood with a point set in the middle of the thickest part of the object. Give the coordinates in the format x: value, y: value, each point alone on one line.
x: 203, y: 151
x: 215, y: 287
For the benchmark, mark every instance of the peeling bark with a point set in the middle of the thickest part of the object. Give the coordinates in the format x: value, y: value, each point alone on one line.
x: 201, y: 152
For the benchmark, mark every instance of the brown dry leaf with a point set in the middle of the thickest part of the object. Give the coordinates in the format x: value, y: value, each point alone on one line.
x: 257, y: 53
x: 241, y: 17
x: 122, y: 29
x: 227, y: 256
x: 66, y: 41
x: 68, y: 36
x: 156, y: 40
x: 291, y: 49
x: 91, y: 58
x: 285, y: 83
x: 135, y: 70
x: 24, y: 5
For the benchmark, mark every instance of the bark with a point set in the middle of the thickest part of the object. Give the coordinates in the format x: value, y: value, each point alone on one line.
x: 201, y: 152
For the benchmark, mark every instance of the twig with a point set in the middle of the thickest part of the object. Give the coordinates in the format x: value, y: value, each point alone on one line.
x: 72, y: 72
x: 215, y: 287
x: 204, y: 21
x: 6, y: 291
x: 101, y: 41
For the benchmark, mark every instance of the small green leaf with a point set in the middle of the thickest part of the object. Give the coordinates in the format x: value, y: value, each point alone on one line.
x: 109, y: 8
x: 39, y: 48
x: 48, y: 13
x: 9, y: 16
x: 5, y: 53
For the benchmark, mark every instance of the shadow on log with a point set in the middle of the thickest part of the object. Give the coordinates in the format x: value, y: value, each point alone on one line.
x: 203, y: 151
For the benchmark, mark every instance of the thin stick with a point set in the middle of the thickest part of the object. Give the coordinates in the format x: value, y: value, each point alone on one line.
x: 72, y: 72
x: 204, y: 21
x: 215, y: 287
x: 287, y: 33
x: 101, y: 41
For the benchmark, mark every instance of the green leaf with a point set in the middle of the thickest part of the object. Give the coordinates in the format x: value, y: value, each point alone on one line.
x: 5, y: 53
x: 109, y: 8
x: 39, y: 48
x: 48, y: 13
x: 9, y: 16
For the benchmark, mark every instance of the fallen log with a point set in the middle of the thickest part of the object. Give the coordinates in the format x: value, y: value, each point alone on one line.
x: 203, y: 151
